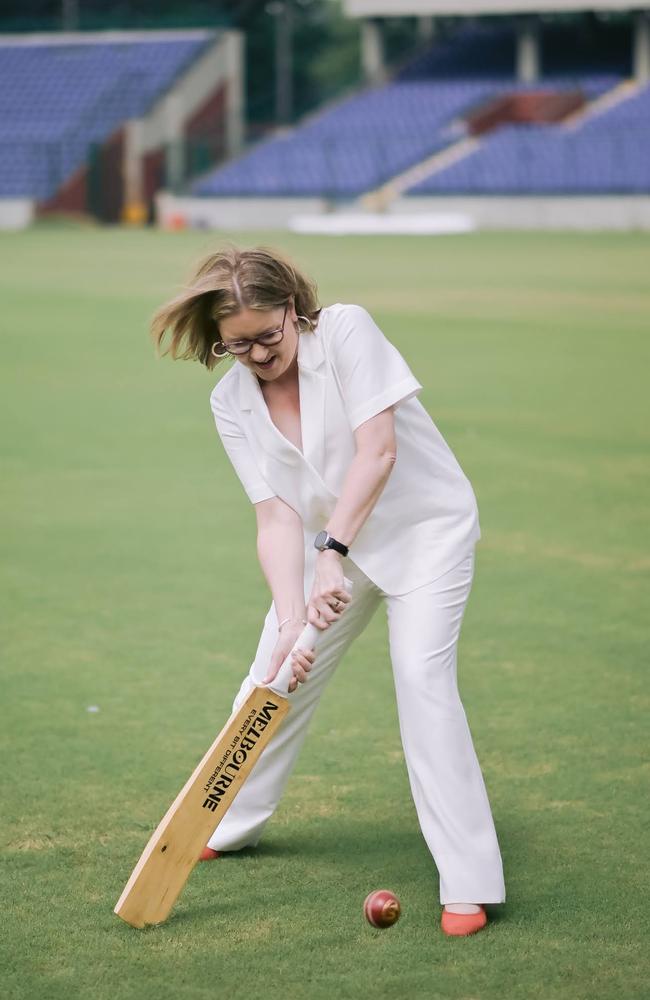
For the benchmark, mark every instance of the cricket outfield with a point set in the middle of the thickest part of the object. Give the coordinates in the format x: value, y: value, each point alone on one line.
x: 133, y: 601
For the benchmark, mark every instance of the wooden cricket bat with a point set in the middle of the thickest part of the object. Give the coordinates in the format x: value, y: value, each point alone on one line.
x: 174, y: 847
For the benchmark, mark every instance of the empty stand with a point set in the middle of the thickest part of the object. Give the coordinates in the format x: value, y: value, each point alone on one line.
x: 60, y: 98
x: 354, y: 146
x: 607, y: 153
x: 361, y: 143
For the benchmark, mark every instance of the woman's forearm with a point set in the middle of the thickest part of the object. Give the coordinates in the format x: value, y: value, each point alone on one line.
x: 280, y: 545
x: 281, y: 552
x: 365, y: 479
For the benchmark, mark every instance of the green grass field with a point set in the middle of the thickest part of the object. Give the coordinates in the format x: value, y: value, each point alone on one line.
x: 130, y: 583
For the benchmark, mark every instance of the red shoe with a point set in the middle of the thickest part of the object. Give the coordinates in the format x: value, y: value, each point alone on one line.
x: 463, y: 923
x: 207, y: 854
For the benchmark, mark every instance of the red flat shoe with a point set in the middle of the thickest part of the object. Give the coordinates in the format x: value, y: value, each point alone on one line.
x: 207, y: 854
x: 463, y: 923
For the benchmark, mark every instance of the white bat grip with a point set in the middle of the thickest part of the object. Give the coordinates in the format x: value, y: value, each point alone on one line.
x: 306, y: 640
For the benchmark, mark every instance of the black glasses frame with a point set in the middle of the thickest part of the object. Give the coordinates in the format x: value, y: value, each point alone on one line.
x: 263, y: 339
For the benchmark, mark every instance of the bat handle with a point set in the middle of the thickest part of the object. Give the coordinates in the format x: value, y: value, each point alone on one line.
x: 308, y: 639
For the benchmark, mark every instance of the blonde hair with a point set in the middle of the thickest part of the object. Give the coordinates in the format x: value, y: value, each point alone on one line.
x: 225, y: 283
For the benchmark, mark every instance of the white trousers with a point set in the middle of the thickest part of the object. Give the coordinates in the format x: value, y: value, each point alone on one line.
x: 444, y: 774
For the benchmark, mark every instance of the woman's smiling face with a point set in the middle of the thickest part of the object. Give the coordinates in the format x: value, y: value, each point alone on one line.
x: 268, y: 361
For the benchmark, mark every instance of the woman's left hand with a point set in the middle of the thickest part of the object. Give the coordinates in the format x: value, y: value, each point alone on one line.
x: 329, y: 597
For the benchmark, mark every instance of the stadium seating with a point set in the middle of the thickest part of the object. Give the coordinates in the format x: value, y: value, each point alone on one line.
x: 58, y: 99
x: 474, y: 50
x: 363, y: 141
x: 607, y: 153
x: 355, y: 145
x: 486, y: 49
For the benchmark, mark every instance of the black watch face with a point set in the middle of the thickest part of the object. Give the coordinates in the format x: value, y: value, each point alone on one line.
x: 320, y: 539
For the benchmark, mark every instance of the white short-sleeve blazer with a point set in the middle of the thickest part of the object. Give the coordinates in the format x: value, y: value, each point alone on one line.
x: 426, y: 518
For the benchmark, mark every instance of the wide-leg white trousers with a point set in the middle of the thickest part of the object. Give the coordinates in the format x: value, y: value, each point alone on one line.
x: 444, y: 774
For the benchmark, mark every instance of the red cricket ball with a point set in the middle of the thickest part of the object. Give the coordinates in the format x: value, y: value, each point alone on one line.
x: 382, y: 908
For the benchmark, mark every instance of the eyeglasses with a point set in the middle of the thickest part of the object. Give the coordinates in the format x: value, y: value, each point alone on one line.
x: 238, y: 347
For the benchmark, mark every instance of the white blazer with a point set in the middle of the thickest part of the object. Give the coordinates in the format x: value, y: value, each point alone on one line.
x: 426, y: 518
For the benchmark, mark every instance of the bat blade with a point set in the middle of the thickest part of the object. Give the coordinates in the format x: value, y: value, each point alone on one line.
x: 174, y: 847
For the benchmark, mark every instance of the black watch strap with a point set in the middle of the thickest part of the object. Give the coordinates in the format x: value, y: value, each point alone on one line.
x: 324, y: 541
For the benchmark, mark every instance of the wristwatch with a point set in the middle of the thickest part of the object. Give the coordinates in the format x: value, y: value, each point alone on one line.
x: 324, y: 540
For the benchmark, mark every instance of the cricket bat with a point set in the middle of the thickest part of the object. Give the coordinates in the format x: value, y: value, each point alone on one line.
x: 174, y: 847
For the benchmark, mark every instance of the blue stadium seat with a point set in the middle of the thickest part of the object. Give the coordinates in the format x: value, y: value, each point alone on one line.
x: 607, y: 153
x: 372, y: 136
x: 355, y: 145
x: 58, y: 99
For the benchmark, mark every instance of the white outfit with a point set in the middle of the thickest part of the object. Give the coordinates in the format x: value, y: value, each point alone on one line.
x: 425, y: 519
x: 415, y: 551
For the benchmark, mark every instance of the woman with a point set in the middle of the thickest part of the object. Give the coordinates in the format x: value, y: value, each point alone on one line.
x: 350, y: 478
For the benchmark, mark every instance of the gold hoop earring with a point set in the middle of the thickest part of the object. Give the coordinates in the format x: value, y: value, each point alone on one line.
x: 306, y: 319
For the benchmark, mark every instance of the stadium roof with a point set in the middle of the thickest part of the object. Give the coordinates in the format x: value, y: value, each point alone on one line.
x: 67, y: 38
x: 399, y: 8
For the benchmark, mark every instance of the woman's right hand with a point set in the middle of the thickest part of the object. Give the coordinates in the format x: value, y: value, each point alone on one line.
x: 303, y: 659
